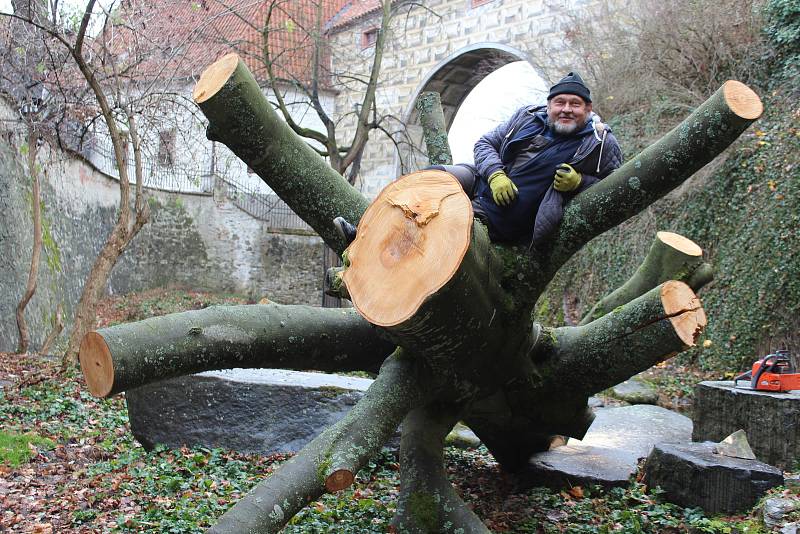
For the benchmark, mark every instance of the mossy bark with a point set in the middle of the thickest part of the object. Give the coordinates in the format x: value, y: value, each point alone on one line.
x: 434, y: 130
x: 241, y: 117
x: 428, y: 503
x: 221, y: 337
x: 634, y: 336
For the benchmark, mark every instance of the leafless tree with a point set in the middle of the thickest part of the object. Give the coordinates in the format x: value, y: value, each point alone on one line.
x: 22, y: 82
x: 295, y: 52
x: 119, y: 79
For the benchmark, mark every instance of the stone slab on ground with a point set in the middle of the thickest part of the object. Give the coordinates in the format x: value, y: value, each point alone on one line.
x: 693, y: 475
x: 635, y: 391
x: 609, y: 453
x: 248, y: 410
x: 771, y: 420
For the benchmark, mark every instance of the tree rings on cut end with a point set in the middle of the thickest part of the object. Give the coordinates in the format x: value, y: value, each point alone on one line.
x: 214, y: 77
x: 742, y: 100
x: 684, y: 309
x: 680, y: 243
x: 96, y: 364
x: 410, y: 243
x: 339, y: 480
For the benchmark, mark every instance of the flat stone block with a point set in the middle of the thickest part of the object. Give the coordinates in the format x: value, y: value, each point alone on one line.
x: 609, y: 453
x: 771, y: 420
x: 692, y: 475
x: 248, y: 410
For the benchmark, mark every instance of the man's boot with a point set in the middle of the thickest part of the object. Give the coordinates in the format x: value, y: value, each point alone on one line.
x: 346, y: 230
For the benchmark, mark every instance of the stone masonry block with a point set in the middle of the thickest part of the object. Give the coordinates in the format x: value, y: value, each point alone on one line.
x: 692, y: 475
x: 771, y: 420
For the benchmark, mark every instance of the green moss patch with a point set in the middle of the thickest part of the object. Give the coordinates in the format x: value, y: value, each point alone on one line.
x: 17, y: 449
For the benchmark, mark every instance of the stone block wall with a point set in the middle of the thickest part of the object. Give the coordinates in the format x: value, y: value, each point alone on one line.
x: 192, y: 240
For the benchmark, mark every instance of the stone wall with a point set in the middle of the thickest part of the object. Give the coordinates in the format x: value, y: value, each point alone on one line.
x: 198, y: 241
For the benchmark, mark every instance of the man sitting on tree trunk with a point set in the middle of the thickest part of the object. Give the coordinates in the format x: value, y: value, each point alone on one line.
x: 526, y: 168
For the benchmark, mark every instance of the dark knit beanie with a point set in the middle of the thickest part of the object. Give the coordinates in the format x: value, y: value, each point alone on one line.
x: 571, y: 84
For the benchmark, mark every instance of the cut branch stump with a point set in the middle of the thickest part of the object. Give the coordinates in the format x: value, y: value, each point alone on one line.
x: 240, y: 116
x: 273, y: 336
x: 671, y: 257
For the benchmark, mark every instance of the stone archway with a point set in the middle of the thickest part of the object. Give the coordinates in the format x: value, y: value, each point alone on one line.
x: 458, y: 74
x: 455, y: 76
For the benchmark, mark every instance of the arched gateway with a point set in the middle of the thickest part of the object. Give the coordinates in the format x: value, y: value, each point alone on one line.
x: 454, y: 77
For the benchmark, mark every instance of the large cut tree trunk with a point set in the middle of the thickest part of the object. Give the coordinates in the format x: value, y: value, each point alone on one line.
x: 424, y: 276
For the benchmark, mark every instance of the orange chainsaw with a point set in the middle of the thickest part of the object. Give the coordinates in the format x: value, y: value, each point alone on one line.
x: 774, y: 372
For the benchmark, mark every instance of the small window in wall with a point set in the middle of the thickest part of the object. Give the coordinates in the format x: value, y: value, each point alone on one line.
x: 369, y: 37
x: 166, y: 147
x: 476, y: 3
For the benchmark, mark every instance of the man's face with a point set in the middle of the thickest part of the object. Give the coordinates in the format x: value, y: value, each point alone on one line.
x: 567, y: 113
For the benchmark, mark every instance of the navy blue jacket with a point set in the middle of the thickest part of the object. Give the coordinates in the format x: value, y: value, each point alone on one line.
x: 498, y: 149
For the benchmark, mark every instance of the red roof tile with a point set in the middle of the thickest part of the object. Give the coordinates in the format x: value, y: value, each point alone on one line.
x: 193, y: 34
x: 354, y: 11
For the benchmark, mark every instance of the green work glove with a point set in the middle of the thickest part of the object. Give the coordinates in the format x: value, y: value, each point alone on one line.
x: 503, y: 189
x: 567, y: 178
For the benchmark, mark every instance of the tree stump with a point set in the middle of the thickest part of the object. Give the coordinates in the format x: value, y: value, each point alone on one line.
x: 771, y: 420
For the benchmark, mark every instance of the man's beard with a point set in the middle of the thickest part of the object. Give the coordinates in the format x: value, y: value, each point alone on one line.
x: 566, y: 129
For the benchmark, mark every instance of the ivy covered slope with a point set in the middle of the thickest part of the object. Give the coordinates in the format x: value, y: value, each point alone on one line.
x: 745, y: 213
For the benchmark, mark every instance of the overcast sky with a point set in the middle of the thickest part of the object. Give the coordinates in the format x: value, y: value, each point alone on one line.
x: 5, y: 7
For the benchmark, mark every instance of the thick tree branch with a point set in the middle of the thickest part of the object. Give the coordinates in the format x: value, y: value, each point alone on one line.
x: 649, y: 329
x: 428, y: 502
x: 671, y: 257
x: 129, y: 355
x: 331, y: 460
x: 434, y: 132
x: 241, y: 118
